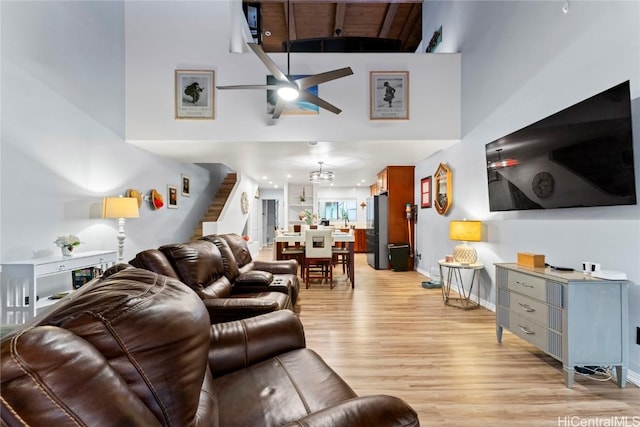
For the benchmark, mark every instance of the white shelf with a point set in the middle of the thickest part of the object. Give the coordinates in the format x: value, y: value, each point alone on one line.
x: 20, y: 280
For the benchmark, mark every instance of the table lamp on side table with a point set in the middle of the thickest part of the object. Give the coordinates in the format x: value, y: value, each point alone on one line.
x: 120, y: 208
x: 465, y: 231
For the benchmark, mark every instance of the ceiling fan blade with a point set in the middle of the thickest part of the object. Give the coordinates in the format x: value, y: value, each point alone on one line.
x: 279, y: 108
x: 309, y: 97
x: 312, y: 80
x: 263, y: 87
x: 268, y: 62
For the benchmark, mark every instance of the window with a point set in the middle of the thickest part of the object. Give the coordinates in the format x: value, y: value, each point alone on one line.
x: 336, y: 210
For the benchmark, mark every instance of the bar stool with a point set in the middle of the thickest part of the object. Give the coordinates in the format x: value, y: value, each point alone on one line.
x: 295, y: 252
x: 341, y: 255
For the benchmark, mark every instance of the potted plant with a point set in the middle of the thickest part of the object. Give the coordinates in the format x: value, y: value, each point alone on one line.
x: 308, y: 217
x: 67, y: 243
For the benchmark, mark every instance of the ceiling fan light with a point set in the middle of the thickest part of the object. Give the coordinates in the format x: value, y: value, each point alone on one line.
x: 288, y: 93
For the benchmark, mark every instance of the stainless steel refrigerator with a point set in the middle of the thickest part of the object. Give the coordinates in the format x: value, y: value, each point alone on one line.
x: 377, y: 232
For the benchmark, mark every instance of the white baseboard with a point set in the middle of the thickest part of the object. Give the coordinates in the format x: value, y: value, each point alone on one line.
x: 633, y: 377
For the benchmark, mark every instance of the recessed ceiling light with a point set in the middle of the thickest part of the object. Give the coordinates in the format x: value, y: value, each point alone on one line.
x: 264, y: 177
x: 288, y: 175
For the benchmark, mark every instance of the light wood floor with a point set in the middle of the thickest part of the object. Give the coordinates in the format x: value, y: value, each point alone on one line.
x: 391, y: 336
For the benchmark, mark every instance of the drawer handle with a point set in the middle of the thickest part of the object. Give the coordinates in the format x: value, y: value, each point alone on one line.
x: 526, y: 307
x: 526, y: 330
x: 61, y: 267
x: 524, y: 284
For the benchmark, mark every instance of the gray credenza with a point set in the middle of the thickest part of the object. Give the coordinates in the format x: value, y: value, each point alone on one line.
x: 576, y: 319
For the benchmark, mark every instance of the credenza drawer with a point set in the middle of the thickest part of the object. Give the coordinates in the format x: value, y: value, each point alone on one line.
x: 69, y: 264
x: 529, y: 308
x: 529, y: 330
x: 535, y: 287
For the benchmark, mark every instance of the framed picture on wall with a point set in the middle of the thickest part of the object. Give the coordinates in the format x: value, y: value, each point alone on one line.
x: 194, y: 94
x: 186, y: 185
x: 172, y: 197
x: 425, y: 192
x: 389, y: 95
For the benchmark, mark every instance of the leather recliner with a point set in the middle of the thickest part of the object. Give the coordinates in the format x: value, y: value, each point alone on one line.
x: 242, y: 270
x: 200, y: 265
x: 137, y: 349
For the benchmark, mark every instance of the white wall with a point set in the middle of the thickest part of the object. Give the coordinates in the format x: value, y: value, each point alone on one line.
x: 526, y: 61
x: 163, y: 36
x: 63, y: 126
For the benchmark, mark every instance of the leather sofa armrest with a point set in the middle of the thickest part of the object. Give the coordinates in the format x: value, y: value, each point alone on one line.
x: 236, y: 345
x: 377, y: 410
x: 289, y: 266
x: 230, y: 309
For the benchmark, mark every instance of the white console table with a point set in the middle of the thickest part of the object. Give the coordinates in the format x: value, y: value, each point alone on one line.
x: 20, y: 280
x: 574, y: 318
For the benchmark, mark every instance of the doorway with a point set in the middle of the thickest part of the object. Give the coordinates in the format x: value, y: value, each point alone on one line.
x: 269, y: 220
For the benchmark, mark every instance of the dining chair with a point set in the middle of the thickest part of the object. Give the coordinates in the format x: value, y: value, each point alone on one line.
x: 318, y: 259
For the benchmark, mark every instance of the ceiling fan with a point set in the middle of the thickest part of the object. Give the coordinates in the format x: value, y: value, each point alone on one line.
x: 290, y: 88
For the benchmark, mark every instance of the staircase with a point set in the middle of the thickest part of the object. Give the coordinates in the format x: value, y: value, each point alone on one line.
x: 215, y: 209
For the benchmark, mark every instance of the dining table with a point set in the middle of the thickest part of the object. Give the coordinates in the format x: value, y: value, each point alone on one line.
x: 288, y: 238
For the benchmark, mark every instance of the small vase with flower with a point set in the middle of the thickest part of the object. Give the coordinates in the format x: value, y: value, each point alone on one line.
x: 67, y: 243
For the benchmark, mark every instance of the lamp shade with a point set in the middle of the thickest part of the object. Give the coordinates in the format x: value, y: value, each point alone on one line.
x: 467, y: 231
x: 120, y: 207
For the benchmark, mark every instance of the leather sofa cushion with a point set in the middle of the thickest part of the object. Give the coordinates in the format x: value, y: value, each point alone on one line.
x: 154, y: 260
x: 254, y: 277
x: 198, y: 263
x: 299, y: 381
x: 228, y: 258
x: 137, y: 332
x: 239, y: 248
x: 55, y: 373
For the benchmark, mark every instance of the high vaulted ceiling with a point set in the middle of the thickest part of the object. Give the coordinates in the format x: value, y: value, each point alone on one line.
x: 400, y: 19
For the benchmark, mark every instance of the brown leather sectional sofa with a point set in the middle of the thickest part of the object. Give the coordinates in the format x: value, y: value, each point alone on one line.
x: 137, y: 349
x: 220, y: 269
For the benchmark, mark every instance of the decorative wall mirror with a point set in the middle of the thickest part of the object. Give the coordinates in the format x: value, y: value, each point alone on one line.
x: 444, y: 189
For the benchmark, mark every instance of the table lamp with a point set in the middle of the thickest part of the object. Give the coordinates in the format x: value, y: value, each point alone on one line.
x: 120, y: 208
x: 465, y: 231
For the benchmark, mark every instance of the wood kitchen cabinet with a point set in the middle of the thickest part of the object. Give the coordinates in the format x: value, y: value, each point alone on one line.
x: 398, y: 183
x: 360, y: 244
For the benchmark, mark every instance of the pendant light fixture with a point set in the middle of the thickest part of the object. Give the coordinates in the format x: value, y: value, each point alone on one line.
x: 320, y: 176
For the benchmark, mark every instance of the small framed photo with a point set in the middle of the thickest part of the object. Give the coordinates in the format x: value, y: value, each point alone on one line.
x: 186, y: 185
x: 425, y: 192
x: 172, y: 197
x: 389, y: 95
x: 194, y: 94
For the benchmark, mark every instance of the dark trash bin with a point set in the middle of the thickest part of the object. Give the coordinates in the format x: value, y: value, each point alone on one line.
x: 399, y: 256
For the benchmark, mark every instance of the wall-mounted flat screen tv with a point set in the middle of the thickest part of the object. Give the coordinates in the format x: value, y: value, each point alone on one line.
x: 580, y: 156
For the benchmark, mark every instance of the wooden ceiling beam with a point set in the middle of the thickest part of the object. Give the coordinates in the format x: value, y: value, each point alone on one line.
x: 339, y: 19
x: 388, y: 20
x: 290, y: 20
x: 414, y: 15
